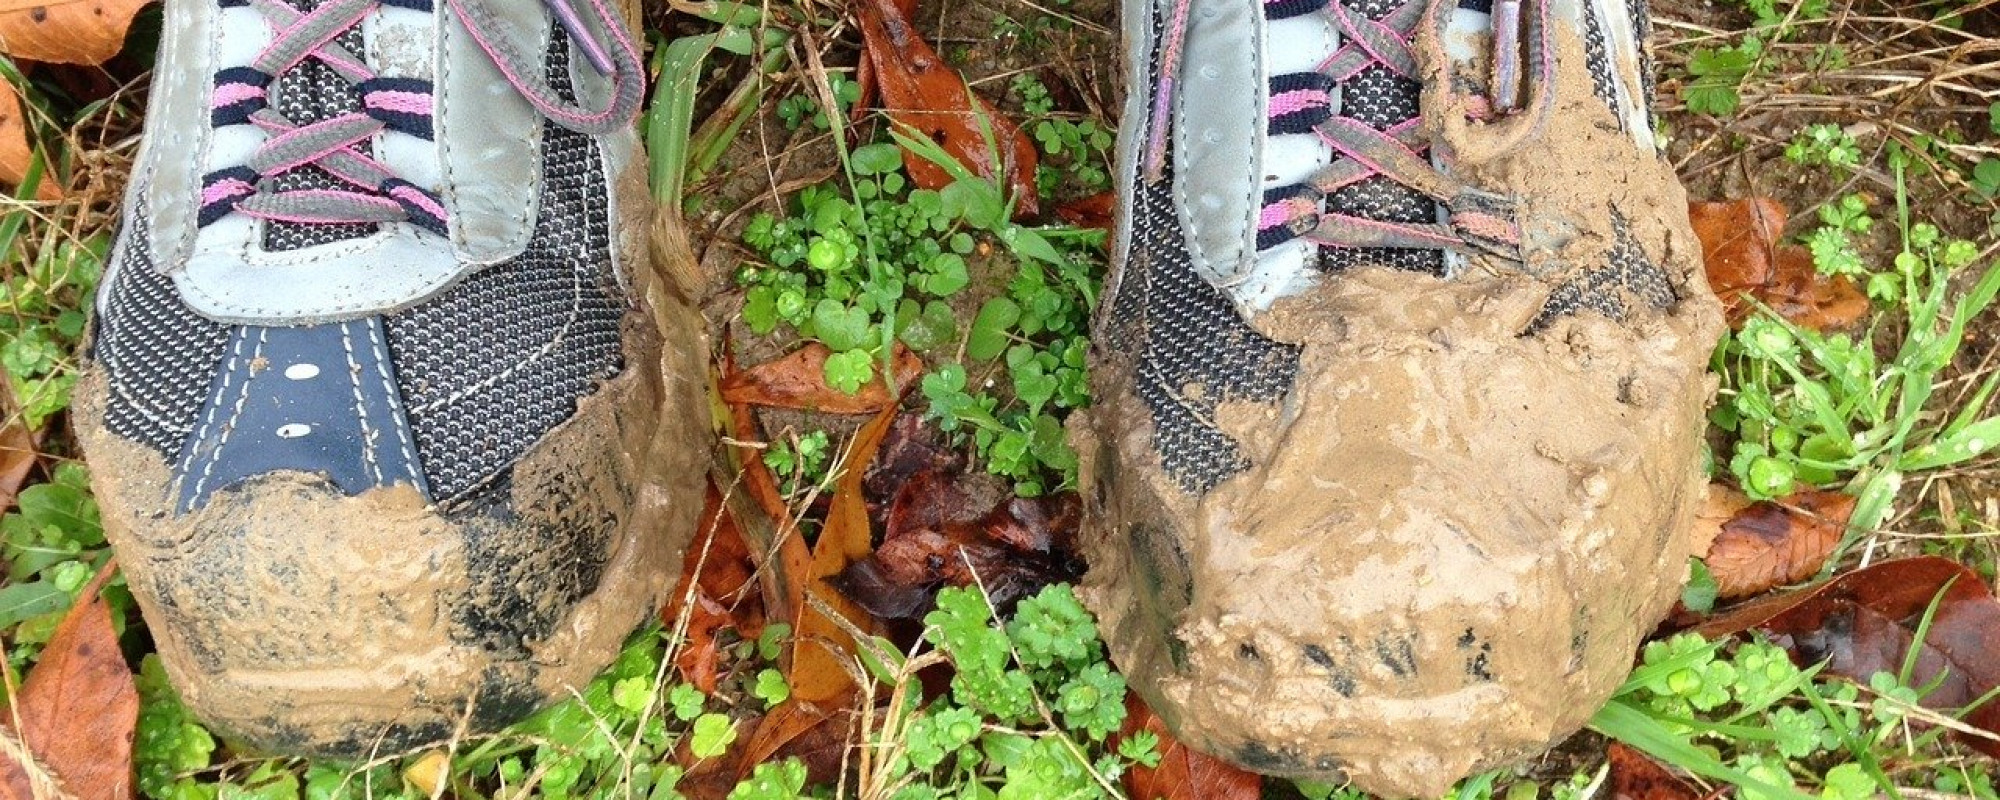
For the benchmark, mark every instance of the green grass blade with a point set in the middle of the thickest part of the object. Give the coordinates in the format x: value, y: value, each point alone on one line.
x: 1636, y: 729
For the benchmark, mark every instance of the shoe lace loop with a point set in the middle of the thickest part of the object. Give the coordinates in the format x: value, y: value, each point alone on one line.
x: 369, y: 191
x: 1476, y: 221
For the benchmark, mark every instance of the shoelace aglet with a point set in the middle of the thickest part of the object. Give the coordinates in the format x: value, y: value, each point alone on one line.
x: 1170, y: 67
x: 1156, y: 133
x: 572, y: 23
x: 1506, y: 90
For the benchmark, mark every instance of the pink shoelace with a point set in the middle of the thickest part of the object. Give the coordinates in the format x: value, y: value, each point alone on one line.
x: 370, y: 191
x: 1477, y: 221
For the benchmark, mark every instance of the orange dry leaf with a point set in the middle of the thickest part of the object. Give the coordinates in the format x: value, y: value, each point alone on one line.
x: 1770, y: 544
x: 78, y: 709
x: 817, y: 674
x: 716, y: 592
x: 822, y: 688
x: 1744, y: 262
x: 86, y: 32
x: 920, y: 91
x: 776, y: 533
x: 15, y: 154
x: 799, y: 381
x: 1182, y: 773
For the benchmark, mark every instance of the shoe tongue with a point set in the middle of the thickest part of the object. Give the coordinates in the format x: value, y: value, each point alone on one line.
x: 1381, y: 98
x: 308, y: 93
x: 1468, y: 46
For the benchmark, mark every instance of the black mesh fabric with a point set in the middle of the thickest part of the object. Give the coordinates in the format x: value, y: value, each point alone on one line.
x: 1189, y: 350
x: 158, y: 356
x: 1602, y: 81
x: 490, y: 366
x: 1183, y: 345
x: 1381, y: 99
x: 308, y: 93
x: 1642, y: 22
x: 1610, y: 290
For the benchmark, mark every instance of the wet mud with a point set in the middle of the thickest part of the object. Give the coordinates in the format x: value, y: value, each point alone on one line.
x: 299, y: 620
x: 1459, y: 523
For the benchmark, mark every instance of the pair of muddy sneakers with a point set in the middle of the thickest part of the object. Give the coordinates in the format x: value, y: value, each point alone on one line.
x: 1400, y: 373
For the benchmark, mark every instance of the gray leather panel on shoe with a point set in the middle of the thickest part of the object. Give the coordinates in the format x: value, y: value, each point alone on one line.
x: 1218, y: 130
x: 219, y: 268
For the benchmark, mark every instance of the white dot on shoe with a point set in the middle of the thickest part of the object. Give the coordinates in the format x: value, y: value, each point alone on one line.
x: 300, y: 372
x: 293, y: 431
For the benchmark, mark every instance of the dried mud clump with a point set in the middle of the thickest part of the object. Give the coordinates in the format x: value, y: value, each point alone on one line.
x: 299, y: 620
x: 1460, y: 521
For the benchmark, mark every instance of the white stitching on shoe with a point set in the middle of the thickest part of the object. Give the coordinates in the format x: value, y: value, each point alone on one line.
x: 389, y: 388
x: 235, y: 413
x: 208, y: 420
x: 360, y: 404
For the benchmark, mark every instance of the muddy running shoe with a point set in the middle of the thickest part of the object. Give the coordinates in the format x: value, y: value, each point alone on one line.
x: 374, y: 399
x: 1400, y: 380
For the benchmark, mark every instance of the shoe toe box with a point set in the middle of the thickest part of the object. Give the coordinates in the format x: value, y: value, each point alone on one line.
x: 1440, y: 558
x: 297, y: 617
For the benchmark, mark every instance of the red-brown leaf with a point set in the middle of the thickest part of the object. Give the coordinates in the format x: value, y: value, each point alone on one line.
x: 1770, y: 543
x: 1864, y: 622
x: 774, y: 541
x: 1744, y: 260
x: 1183, y: 773
x: 799, y: 381
x: 1094, y: 211
x: 78, y: 708
x: 945, y: 527
x: 1636, y: 776
x: 17, y: 458
x: 716, y: 593
x: 919, y: 90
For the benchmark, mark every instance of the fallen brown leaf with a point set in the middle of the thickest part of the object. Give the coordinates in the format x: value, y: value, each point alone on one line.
x: 78, y: 708
x: 774, y: 541
x: 1721, y: 505
x: 1768, y: 544
x: 1182, y: 773
x: 716, y: 593
x: 919, y: 90
x: 1636, y: 776
x: 817, y: 672
x: 815, y: 732
x: 821, y: 685
x: 15, y: 155
x: 18, y: 455
x: 86, y: 32
x: 1094, y: 211
x: 799, y: 381
x: 1864, y: 622
x: 1744, y: 261
x: 946, y: 527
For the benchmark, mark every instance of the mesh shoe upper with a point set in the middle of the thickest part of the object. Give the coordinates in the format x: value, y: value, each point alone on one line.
x: 1172, y: 314
x: 461, y: 384
x: 385, y: 408
x: 1399, y: 382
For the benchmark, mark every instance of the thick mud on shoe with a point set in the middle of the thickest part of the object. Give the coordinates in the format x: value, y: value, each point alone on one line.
x: 1400, y: 380
x: 395, y: 431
